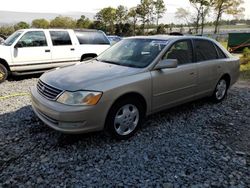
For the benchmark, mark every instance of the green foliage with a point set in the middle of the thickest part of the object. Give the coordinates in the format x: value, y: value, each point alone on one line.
x: 40, y: 23
x: 202, y: 8
x: 83, y: 22
x: 161, y: 29
x: 245, y: 71
x: 108, y: 17
x: 145, y: 11
x: 134, y: 16
x: 63, y: 22
x: 160, y: 9
x: 245, y: 58
x: 231, y: 7
x: 6, y: 30
x: 21, y: 25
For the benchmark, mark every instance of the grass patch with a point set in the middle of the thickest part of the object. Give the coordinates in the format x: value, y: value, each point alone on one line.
x: 245, y: 71
x: 224, y: 44
x: 245, y: 64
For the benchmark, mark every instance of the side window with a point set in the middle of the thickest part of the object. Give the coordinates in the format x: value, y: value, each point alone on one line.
x: 182, y: 51
x: 221, y: 54
x: 82, y: 37
x: 60, y: 38
x: 99, y: 38
x: 86, y: 37
x: 33, y: 39
x: 204, y: 50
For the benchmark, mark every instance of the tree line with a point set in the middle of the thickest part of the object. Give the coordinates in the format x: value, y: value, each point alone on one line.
x: 142, y: 19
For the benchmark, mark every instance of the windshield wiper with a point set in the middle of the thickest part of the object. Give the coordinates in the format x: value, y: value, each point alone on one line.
x: 110, y: 62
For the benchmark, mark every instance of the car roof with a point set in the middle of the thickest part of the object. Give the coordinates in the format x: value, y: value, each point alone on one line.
x: 169, y: 37
x: 59, y: 29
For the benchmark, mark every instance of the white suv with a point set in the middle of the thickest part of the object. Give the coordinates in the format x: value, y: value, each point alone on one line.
x: 36, y: 50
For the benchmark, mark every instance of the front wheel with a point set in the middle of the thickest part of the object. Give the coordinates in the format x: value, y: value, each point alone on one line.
x: 3, y: 73
x: 124, y: 118
x: 220, y: 91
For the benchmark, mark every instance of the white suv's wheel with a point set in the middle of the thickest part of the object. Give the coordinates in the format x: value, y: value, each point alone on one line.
x: 3, y: 73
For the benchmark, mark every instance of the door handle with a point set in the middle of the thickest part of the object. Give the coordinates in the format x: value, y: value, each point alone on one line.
x: 47, y: 50
x: 72, y: 49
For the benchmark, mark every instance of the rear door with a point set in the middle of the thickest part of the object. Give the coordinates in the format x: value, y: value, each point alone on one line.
x: 173, y: 85
x: 31, y: 49
x: 63, y: 49
x: 209, y: 64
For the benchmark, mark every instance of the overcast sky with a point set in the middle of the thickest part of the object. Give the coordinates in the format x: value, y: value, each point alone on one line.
x: 60, y: 6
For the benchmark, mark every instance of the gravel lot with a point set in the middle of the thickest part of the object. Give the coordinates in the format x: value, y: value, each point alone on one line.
x: 199, y: 144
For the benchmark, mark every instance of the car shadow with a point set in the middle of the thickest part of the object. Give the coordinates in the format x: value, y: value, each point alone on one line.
x: 23, y: 77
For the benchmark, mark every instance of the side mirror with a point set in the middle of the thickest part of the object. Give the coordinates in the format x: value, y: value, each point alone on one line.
x: 18, y: 45
x: 166, y: 63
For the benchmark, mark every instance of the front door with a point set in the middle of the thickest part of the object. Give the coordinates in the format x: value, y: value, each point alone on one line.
x: 31, y: 49
x: 173, y: 85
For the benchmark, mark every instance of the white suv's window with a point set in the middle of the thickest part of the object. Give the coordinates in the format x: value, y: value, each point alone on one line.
x: 33, y: 39
x: 60, y: 38
x: 91, y: 37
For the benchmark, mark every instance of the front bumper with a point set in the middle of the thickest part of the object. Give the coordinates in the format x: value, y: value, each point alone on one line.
x: 66, y: 118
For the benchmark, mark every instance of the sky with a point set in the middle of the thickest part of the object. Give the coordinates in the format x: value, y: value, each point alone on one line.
x: 62, y: 6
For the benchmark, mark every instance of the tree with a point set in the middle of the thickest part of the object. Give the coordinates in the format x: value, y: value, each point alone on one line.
x: 183, y: 14
x: 201, y: 7
x: 40, y: 23
x: 63, y: 22
x: 6, y: 30
x: 83, y: 22
x: 159, y: 10
x: 21, y: 25
x: 231, y: 7
x: 108, y: 17
x: 161, y: 29
x: 121, y: 17
x: 133, y: 14
x: 145, y: 12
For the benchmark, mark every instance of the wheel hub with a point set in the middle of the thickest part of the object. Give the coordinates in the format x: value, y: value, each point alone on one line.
x: 126, y: 119
x: 221, y: 89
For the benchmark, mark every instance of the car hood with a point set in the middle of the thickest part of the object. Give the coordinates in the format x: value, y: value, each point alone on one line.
x: 84, y: 75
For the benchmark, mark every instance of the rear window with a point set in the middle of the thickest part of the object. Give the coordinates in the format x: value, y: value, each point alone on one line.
x: 90, y: 37
x: 205, y: 50
x: 221, y: 54
x: 60, y: 38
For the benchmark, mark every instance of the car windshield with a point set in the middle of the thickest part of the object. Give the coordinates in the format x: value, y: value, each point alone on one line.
x: 11, y: 39
x: 137, y: 53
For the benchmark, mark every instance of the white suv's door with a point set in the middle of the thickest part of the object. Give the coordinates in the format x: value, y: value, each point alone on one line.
x: 63, y: 50
x: 31, y: 49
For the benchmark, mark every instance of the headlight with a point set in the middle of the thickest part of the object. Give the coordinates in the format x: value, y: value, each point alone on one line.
x: 80, y: 97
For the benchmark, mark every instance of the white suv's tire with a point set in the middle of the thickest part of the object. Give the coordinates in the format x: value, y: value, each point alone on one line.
x: 3, y: 73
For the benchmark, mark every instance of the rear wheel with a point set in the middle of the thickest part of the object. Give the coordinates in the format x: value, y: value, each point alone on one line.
x: 124, y: 118
x: 220, y: 91
x: 3, y: 73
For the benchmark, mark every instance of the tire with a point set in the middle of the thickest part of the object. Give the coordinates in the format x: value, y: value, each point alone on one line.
x: 124, y: 118
x: 220, y: 91
x: 3, y: 73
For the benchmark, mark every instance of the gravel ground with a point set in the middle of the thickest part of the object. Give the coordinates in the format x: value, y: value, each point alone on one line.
x: 199, y: 144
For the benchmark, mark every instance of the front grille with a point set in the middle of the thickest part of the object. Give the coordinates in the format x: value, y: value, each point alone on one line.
x: 48, y: 91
